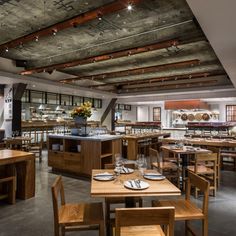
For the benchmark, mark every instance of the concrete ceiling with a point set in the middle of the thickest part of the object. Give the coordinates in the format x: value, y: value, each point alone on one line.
x: 150, y: 22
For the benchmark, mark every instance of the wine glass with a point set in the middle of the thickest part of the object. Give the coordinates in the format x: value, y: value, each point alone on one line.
x: 142, y: 164
x: 119, y: 165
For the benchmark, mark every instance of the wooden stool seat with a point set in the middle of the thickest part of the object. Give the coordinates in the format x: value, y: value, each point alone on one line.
x: 11, y: 192
x: 201, y: 169
x: 184, y: 210
x: 165, y: 165
x: 84, y: 214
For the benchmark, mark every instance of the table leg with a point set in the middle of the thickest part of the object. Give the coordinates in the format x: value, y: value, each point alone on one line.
x: 130, y: 202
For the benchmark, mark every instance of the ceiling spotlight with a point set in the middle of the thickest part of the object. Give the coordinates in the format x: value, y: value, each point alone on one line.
x: 54, y: 32
x: 99, y: 17
x: 129, y: 7
x: 7, y: 50
x: 36, y: 38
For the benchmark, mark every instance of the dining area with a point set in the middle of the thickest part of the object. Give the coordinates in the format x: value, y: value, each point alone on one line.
x: 131, y: 189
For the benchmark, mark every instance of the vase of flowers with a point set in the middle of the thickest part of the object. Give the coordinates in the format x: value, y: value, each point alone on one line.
x: 80, y: 115
x: 82, y: 112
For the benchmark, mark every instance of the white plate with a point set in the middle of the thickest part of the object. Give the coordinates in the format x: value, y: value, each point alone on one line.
x: 125, y: 170
x: 131, y: 185
x: 103, y: 177
x: 154, y: 176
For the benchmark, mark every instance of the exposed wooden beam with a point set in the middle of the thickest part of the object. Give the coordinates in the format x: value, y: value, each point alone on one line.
x: 169, y: 86
x: 104, y: 57
x: 73, y: 22
x: 167, y: 78
x: 137, y: 71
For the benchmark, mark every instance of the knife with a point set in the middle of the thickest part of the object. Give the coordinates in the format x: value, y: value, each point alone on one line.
x: 131, y: 183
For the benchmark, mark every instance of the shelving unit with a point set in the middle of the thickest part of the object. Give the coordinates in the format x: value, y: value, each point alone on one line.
x: 212, y: 129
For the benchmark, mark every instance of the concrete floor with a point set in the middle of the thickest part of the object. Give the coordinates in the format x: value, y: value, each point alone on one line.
x: 35, y: 216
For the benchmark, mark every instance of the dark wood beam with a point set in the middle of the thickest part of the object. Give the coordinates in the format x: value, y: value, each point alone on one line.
x: 137, y: 71
x: 104, y: 57
x: 73, y: 22
x: 161, y: 79
x: 169, y: 86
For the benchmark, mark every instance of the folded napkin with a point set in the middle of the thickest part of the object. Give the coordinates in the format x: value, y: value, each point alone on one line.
x: 104, y: 174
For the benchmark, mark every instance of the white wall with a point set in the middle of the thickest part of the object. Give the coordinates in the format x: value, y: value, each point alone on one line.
x: 130, y: 115
x: 143, y: 113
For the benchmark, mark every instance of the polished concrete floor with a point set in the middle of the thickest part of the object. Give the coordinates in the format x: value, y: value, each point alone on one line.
x: 35, y: 216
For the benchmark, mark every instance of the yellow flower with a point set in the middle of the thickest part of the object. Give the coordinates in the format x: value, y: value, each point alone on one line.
x: 85, y: 110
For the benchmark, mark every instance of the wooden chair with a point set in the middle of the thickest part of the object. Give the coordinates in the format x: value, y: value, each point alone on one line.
x: 145, y: 221
x: 8, y: 184
x: 206, y: 166
x: 167, y: 168
x: 218, y: 164
x: 37, y: 148
x: 185, y: 209
x: 110, y: 222
x: 73, y: 217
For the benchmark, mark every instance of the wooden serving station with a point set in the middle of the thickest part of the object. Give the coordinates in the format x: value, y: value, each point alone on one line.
x: 79, y: 155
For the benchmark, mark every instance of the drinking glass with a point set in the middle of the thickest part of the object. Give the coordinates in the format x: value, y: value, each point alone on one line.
x: 141, y: 164
x: 119, y: 165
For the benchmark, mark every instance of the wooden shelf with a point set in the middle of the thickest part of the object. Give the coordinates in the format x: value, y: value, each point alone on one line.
x: 106, y: 155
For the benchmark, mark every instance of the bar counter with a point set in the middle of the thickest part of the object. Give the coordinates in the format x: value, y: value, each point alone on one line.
x: 135, y: 140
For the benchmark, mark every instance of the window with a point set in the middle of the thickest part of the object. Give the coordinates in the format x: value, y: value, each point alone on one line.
x: 26, y: 96
x: 66, y: 100
x: 53, y: 98
x: 78, y: 101
x: 156, y: 114
x: 37, y: 97
x: 230, y: 112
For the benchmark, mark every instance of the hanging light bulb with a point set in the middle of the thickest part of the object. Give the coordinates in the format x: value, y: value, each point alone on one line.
x: 7, y: 50
x: 36, y: 38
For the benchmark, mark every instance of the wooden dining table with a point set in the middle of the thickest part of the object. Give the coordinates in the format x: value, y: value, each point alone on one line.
x: 184, y: 153
x: 24, y: 165
x: 15, y: 142
x: 112, y: 189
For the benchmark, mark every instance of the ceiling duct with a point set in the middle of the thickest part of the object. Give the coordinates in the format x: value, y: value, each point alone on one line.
x: 186, y: 104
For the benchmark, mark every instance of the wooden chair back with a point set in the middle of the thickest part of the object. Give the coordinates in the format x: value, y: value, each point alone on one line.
x: 195, y: 180
x: 57, y: 194
x: 163, y: 216
x: 155, y: 157
x: 111, y: 166
x: 206, y: 159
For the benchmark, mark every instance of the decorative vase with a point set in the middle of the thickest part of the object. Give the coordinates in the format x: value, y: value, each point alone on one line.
x: 79, y: 120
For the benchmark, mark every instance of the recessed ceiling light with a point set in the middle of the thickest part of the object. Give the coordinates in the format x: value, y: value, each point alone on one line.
x: 129, y: 7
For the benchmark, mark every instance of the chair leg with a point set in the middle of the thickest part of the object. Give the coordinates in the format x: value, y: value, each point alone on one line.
x: 107, y: 217
x: 204, y: 227
x: 12, y: 192
x: 63, y: 231
x: 186, y: 227
x: 56, y: 230
x: 101, y: 229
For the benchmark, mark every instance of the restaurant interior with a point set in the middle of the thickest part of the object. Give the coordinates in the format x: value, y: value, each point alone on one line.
x: 117, y: 117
